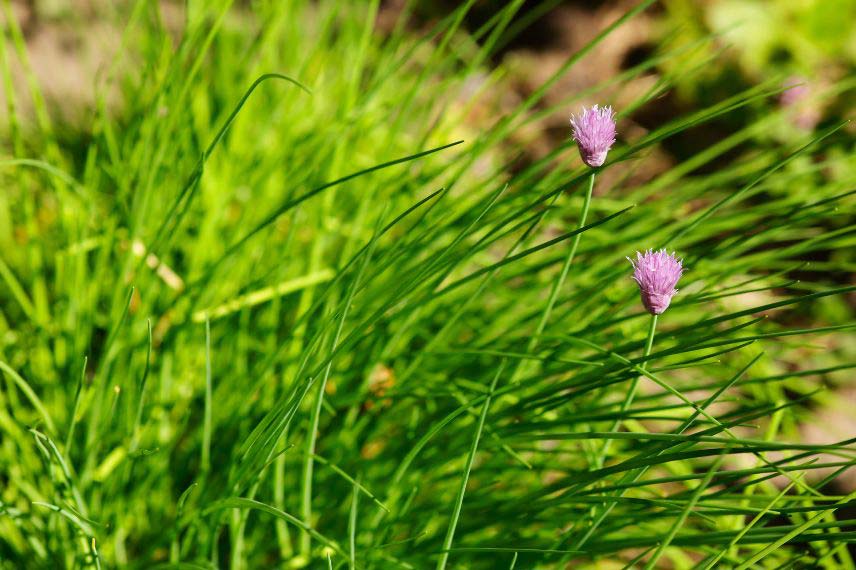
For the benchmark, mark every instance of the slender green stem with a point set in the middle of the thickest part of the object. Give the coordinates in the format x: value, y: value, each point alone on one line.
x: 312, y: 436
x: 459, y: 501
x: 205, y: 462
x: 558, y: 283
x: 352, y: 527
x: 141, y: 399
x: 73, y: 420
x: 309, y: 463
x: 583, y: 216
x: 631, y: 393
x: 625, y: 405
x: 652, y: 327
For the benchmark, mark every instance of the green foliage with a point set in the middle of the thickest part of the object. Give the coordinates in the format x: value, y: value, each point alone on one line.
x: 767, y: 39
x: 290, y: 306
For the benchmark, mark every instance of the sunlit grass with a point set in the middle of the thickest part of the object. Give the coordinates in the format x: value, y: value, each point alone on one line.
x: 292, y: 306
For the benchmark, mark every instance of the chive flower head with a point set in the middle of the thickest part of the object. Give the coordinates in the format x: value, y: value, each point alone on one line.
x: 656, y: 273
x: 594, y: 132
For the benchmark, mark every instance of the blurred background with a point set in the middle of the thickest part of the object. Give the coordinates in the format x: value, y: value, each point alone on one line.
x: 101, y: 113
x: 70, y: 44
x: 69, y: 41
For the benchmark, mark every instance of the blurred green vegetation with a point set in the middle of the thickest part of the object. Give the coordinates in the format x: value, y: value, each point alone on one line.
x: 328, y: 318
x: 758, y: 40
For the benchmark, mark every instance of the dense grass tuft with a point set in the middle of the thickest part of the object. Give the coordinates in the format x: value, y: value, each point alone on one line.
x: 298, y: 300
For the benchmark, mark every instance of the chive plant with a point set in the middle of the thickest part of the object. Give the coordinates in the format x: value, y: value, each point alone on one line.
x: 294, y: 301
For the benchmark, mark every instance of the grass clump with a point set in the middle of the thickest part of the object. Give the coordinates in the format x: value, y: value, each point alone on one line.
x: 289, y: 305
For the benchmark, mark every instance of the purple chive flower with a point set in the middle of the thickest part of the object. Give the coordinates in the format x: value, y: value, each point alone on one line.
x: 657, y: 273
x: 594, y: 131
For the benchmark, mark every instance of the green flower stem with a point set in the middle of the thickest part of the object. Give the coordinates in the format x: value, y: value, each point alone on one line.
x: 558, y: 283
x: 631, y: 393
